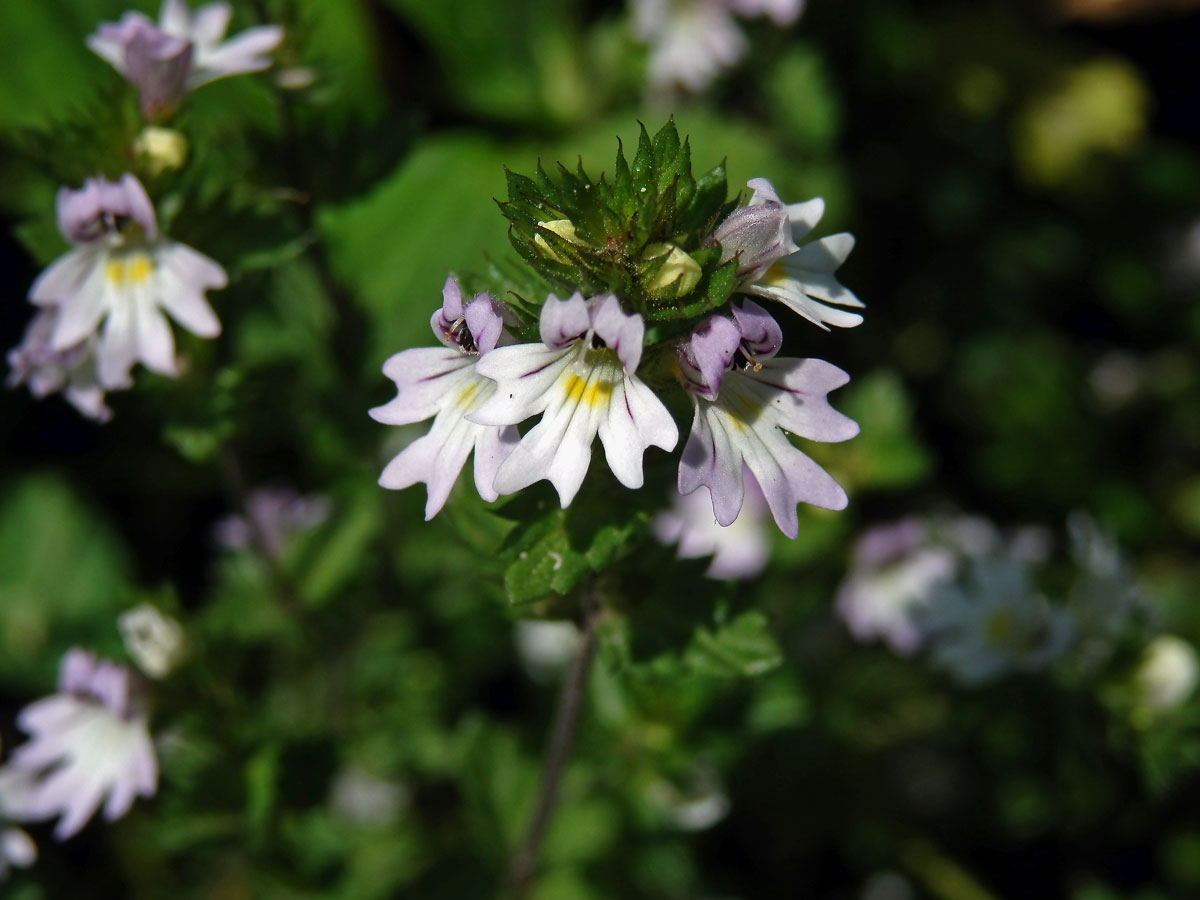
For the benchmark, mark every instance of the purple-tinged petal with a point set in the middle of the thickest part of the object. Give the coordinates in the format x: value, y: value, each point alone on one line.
x: 799, y: 401
x: 209, y: 22
x: 137, y: 205
x: 707, y: 353
x: 422, y: 377
x: 484, y: 322
x: 621, y: 332
x: 562, y: 322
x: 492, y: 447
x: 528, y: 372
x: 759, y: 330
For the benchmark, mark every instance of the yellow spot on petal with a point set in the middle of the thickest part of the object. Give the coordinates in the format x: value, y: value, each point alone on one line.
x: 592, y: 393
x: 468, y: 394
x: 133, y: 269
x: 114, y: 271
x: 776, y: 275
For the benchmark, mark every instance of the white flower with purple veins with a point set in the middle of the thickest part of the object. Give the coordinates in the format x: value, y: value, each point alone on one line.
x: 445, y: 382
x: 183, y: 51
x: 745, y: 398
x: 73, y: 371
x: 762, y: 236
x: 993, y: 624
x: 88, y: 745
x: 895, y: 570
x: 738, y: 550
x: 581, y: 379
x: 110, y: 292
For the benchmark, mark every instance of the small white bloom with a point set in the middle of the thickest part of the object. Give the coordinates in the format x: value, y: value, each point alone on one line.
x: 183, y: 51
x: 994, y: 624
x: 1168, y: 672
x: 154, y: 641
x: 89, y: 744
x: 738, y: 550
x: 762, y: 235
x: 111, y: 292
x: 446, y: 383
x: 362, y: 798
x: 581, y: 378
x: 545, y: 648
x: 17, y: 849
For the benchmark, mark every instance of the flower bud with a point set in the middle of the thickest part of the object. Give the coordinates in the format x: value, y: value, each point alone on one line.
x: 678, y: 270
x: 565, y: 229
x: 155, y: 642
x: 161, y: 149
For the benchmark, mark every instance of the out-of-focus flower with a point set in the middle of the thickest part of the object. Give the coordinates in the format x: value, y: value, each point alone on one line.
x: 1116, y: 10
x: 700, y: 804
x: 762, y: 236
x: 154, y: 641
x: 545, y: 648
x: 89, y: 743
x: 895, y: 569
x: 745, y: 398
x: 359, y: 797
x: 108, y: 295
x: 446, y: 383
x: 272, y: 516
x: 1167, y: 674
x: 992, y: 624
x: 73, y: 371
x: 581, y: 379
x: 17, y: 849
x: 183, y: 51
x: 692, y: 41
x: 161, y: 149
x: 738, y: 550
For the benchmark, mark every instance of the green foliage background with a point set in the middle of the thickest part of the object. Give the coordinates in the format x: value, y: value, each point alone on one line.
x: 1021, y: 189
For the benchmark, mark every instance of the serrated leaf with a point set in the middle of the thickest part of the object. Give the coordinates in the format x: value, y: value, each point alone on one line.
x: 744, y: 648
x: 541, y: 560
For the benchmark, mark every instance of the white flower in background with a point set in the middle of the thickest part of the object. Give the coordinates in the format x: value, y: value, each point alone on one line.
x: 183, y: 51
x: 1168, y: 673
x: 738, y: 550
x: 153, y: 641
x: 762, y: 235
x: 992, y: 624
x: 446, y: 383
x: 894, y: 572
x: 73, y: 371
x: 581, y: 378
x: 362, y: 798
x: 110, y: 293
x: 272, y: 516
x: 745, y: 399
x: 545, y: 648
x: 692, y: 41
x: 17, y: 849
x: 89, y: 744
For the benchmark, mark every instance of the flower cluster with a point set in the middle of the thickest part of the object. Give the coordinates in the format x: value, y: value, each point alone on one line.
x: 103, y: 306
x: 89, y: 745
x: 582, y: 378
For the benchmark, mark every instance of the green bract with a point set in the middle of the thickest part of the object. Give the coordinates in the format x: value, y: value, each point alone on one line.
x: 642, y: 235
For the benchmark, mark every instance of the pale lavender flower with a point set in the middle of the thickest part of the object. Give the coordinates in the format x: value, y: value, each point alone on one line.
x: 110, y: 292
x: 762, y: 236
x: 445, y: 382
x: 272, y: 516
x: 738, y: 550
x: 692, y: 41
x: 73, y: 371
x: 17, y: 849
x: 742, y: 412
x: 994, y: 623
x: 895, y: 570
x: 581, y: 378
x: 89, y: 744
x: 183, y: 51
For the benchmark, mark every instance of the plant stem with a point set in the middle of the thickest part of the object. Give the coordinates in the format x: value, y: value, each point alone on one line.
x: 562, y: 739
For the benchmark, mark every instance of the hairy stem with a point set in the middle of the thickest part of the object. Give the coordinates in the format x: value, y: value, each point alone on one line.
x: 562, y: 739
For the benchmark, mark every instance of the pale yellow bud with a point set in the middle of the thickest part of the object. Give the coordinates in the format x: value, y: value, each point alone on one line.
x: 154, y: 641
x: 677, y: 267
x: 161, y: 149
x: 564, y: 228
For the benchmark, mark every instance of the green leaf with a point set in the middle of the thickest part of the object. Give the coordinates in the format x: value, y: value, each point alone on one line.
x: 744, y: 648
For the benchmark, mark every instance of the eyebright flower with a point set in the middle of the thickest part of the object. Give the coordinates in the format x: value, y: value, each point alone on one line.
x: 993, y: 624
x: 581, y: 378
x: 738, y: 550
x: 180, y: 53
x: 272, y: 516
x: 122, y: 275
x: 691, y: 41
x: 73, y: 371
x: 744, y: 399
x: 762, y: 236
x: 88, y: 744
x: 445, y: 382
